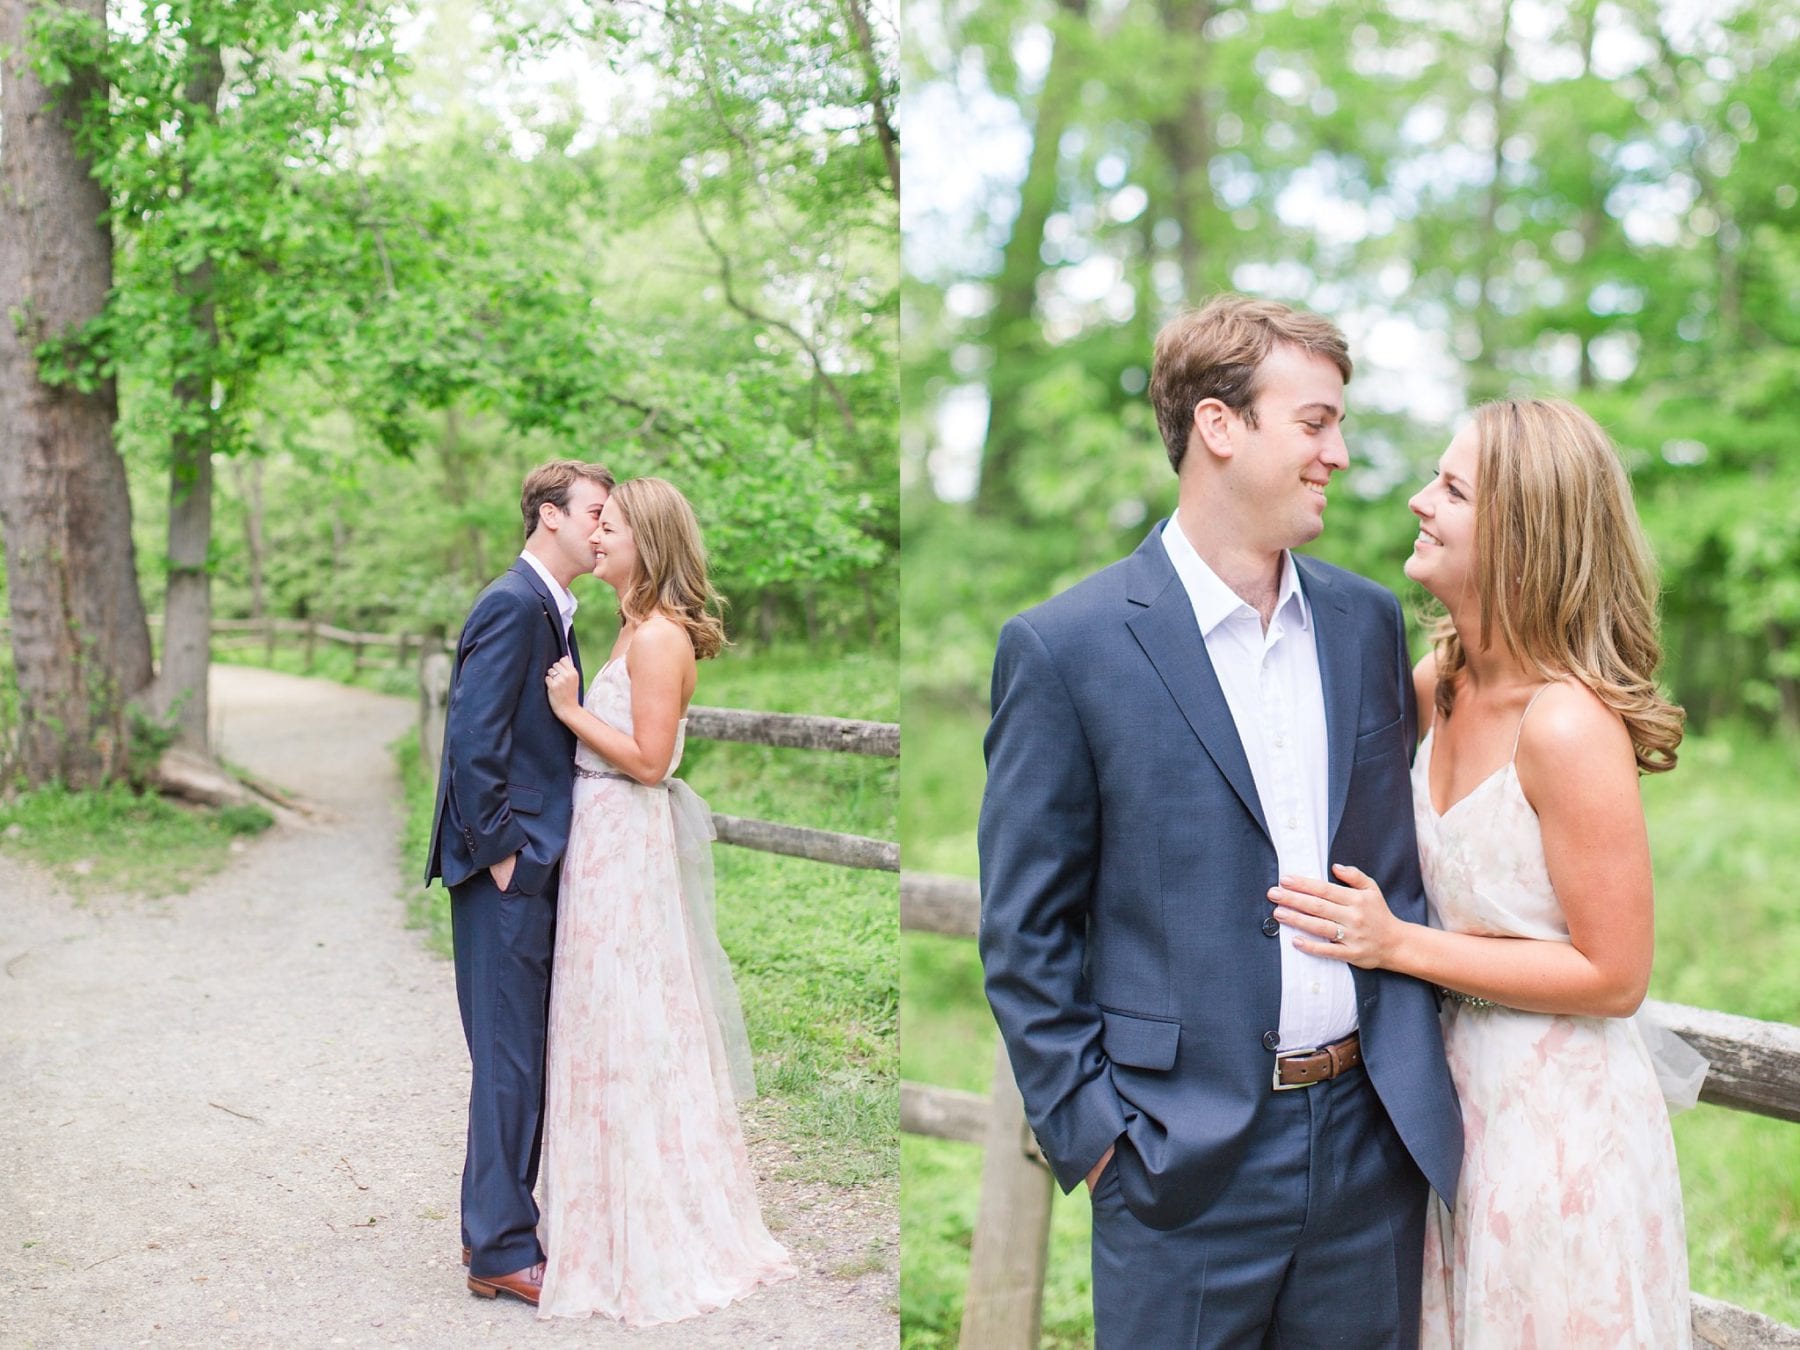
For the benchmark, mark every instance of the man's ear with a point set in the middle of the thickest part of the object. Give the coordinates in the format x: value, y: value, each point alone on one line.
x: 1212, y: 428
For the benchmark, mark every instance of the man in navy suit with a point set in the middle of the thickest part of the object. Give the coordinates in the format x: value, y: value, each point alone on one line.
x: 502, y: 822
x: 1171, y: 736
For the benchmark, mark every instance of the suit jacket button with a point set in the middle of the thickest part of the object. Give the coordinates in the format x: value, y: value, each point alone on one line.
x: 1271, y: 1039
x: 1271, y: 926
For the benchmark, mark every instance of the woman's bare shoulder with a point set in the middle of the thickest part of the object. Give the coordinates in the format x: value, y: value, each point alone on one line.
x: 1572, y: 747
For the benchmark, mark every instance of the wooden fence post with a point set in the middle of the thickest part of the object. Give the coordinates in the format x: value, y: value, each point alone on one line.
x: 434, y: 702
x: 1004, y: 1307
x: 312, y: 641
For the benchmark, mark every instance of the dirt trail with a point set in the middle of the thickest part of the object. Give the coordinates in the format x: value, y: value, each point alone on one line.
x: 234, y: 1117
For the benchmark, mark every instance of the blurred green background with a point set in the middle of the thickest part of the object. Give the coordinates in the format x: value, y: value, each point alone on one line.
x: 1592, y: 200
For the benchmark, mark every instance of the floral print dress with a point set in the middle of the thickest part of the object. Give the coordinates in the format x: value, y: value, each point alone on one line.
x: 1567, y: 1230
x: 650, y: 1211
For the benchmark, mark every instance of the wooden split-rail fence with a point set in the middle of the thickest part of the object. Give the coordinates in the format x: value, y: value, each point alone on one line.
x: 1755, y: 1067
x: 267, y: 633
x: 800, y: 731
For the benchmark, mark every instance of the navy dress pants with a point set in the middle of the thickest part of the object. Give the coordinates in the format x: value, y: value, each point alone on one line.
x: 503, y: 941
x: 1318, y: 1239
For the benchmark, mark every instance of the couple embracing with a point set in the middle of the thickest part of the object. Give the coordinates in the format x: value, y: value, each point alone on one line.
x: 1284, y: 933
x: 568, y: 848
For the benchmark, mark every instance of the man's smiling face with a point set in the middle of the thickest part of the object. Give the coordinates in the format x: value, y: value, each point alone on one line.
x: 1283, y: 465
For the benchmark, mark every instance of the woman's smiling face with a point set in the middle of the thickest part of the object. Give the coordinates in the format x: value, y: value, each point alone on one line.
x: 1443, y: 556
x: 615, y: 549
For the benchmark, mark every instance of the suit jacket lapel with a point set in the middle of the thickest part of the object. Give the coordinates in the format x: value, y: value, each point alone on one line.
x: 575, y: 656
x: 1163, y: 624
x: 1335, y: 637
x: 552, y: 614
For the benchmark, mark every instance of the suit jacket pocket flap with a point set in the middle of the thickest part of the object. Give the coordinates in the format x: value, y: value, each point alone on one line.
x: 1379, y: 740
x: 525, y: 799
x: 1139, y: 1042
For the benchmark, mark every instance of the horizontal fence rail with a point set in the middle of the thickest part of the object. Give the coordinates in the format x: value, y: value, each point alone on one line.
x: 1753, y: 1066
x: 796, y: 731
x: 1750, y: 1065
x: 236, y: 634
x: 801, y: 841
x: 804, y: 731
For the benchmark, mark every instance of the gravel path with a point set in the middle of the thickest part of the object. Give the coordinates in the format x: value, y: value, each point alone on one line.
x: 235, y: 1117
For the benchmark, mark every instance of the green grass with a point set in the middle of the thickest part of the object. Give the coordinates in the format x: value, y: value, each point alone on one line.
x: 426, y: 908
x: 1724, y: 828
x: 812, y: 946
x: 115, y: 841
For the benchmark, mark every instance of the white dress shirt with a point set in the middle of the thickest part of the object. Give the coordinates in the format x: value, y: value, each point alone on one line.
x: 565, y: 603
x: 1271, y: 684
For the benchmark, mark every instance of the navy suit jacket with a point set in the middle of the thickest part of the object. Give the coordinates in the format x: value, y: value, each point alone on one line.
x: 506, y: 783
x: 1125, y: 862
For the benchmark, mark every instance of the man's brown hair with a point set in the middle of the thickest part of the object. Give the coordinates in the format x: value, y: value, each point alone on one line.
x: 1217, y: 351
x: 551, y: 483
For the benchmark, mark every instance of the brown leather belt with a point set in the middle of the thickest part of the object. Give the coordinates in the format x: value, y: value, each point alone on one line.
x: 1303, y: 1068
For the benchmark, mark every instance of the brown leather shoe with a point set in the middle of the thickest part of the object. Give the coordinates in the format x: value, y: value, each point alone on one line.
x: 467, y: 1253
x: 521, y: 1284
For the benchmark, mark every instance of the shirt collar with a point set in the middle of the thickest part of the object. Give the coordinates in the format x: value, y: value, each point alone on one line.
x: 565, y: 602
x: 1214, y: 601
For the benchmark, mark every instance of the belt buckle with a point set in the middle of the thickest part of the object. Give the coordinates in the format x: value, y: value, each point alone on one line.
x: 1275, y: 1074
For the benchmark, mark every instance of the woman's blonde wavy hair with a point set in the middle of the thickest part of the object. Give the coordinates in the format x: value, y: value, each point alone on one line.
x: 671, y: 573
x: 1562, y: 568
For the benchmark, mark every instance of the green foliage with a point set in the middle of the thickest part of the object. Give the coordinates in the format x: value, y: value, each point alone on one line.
x: 150, y: 737
x: 114, y: 841
x: 1566, y: 199
x: 427, y: 907
x: 388, y: 284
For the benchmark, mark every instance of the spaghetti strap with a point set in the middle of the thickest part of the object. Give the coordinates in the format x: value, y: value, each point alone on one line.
x: 1519, y: 734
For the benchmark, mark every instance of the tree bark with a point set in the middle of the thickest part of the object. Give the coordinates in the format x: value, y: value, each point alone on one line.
x: 80, y: 642
x: 187, y: 607
x: 878, y: 109
x: 1485, y: 377
x: 250, y: 485
x: 1592, y: 216
x: 1186, y: 140
x: 1012, y: 331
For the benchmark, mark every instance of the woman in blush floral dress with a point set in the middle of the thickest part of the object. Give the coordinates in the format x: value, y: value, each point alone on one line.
x: 1566, y: 1229
x: 650, y: 1210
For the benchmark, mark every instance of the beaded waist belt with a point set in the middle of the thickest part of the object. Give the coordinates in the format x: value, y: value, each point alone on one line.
x: 1469, y: 999
x: 582, y: 771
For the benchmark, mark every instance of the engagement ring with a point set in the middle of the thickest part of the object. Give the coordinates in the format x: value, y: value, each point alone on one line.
x: 1339, y: 935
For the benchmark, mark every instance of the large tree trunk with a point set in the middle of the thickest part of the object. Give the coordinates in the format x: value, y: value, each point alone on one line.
x: 1185, y: 138
x: 1593, y: 217
x: 1486, y: 379
x: 80, y: 642
x: 187, y: 608
x: 1012, y: 331
x: 864, y: 35
x: 249, y: 475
